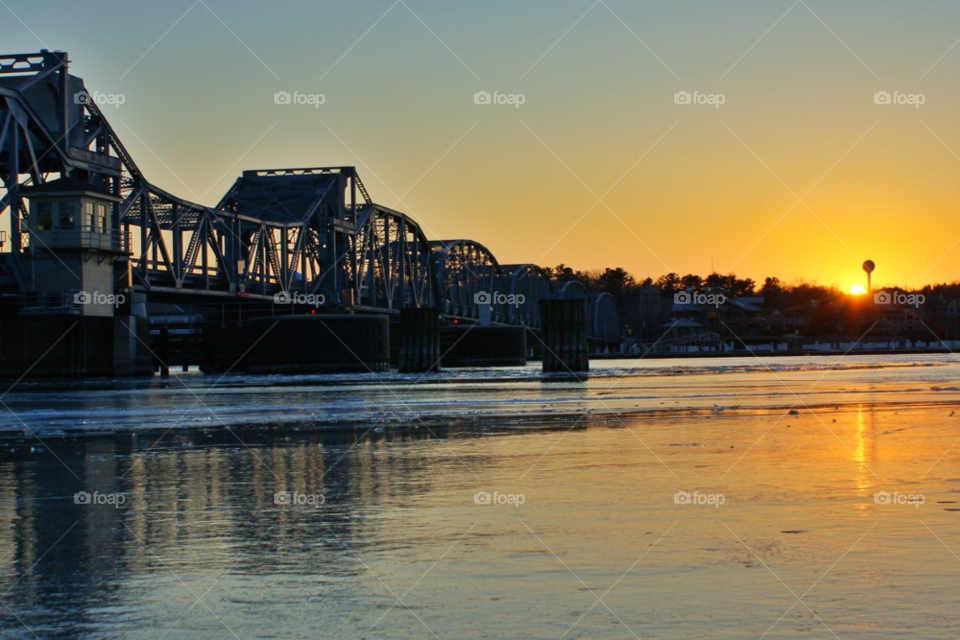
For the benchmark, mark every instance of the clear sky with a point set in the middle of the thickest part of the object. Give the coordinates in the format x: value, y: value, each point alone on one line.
x: 679, y: 184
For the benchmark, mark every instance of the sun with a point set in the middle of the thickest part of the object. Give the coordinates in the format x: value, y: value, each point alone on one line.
x: 857, y: 290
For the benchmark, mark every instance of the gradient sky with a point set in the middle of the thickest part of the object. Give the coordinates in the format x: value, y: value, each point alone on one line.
x: 682, y: 184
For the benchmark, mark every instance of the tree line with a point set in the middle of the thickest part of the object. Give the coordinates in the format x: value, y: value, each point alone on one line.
x: 777, y: 295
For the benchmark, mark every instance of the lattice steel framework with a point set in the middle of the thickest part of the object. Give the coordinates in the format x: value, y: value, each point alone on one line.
x: 297, y: 229
x: 604, y: 317
x: 533, y: 283
x: 464, y: 270
x: 46, y: 127
x: 600, y: 310
x: 312, y: 230
x: 392, y: 263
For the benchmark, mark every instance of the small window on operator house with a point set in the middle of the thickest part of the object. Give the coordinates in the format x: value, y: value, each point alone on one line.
x: 44, y: 216
x: 88, y: 214
x: 68, y: 212
x: 101, y: 217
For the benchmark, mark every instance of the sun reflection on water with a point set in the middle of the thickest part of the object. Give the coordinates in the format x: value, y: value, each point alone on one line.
x: 863, y: 483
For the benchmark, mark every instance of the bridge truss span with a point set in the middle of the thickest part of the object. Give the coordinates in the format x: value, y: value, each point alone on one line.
x: 465, y: 272
x: 533, y: 284
x: 311, y: 230
x: 391, y: 266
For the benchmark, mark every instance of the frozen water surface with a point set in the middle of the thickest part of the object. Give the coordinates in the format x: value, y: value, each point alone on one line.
x: 786, y: 531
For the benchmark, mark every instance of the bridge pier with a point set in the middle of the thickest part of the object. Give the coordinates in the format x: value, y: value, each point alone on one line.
x: 163, y: 352
x: 564, y: 335
x: 419, y: 340
x: 318, y: 344
x: 224, y: 345
x: 477, y: 346
x: 131, y: 338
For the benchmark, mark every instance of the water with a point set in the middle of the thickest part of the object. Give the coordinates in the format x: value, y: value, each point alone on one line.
x: 624, y: 386
x: 200, y: 548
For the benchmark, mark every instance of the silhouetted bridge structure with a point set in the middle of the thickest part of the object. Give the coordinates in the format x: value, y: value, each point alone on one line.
x: 280, y: 242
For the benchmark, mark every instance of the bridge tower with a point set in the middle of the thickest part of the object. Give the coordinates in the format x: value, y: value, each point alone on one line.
x: 66, y: 308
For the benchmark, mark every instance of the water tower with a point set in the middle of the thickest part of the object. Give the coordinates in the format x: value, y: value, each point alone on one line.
x: 869, y: 266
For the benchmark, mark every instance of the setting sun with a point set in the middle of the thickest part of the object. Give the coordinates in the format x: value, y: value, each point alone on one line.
x: 857, y: 290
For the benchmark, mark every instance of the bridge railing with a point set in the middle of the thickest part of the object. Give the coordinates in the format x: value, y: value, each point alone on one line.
x: 82, y: 237
x: 51, y: 301
x: 160, y: 267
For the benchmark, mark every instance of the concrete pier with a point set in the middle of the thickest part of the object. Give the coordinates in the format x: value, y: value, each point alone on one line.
x: 477, y: 346
x: 563, y: 331
x: 319, y: 343
x: 419, y: 340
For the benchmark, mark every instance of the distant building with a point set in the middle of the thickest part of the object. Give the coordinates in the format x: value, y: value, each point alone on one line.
x: 722, y: 313
x: 680, y: 331
x: 898, y: 319
x: 776, y: 322
x: 944, y: 311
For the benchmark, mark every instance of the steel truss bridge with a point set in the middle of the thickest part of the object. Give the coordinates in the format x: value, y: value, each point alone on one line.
x: 312, y: 231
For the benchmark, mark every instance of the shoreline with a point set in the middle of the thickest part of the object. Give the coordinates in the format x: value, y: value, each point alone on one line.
x: 433, y: 425
x: 743, y: 353
x: 195, y: 373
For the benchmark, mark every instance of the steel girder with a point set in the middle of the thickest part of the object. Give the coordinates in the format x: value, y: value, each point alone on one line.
x: 41, y: 132
x: 391, y: 264
x: 188, y: 247
x: 312, y: 230
x: 600, y: 310
x: 604, y: 318
x: 313, y: 215
x: 63, y: 131
x: 531, y: 282
x: 464, y: 270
